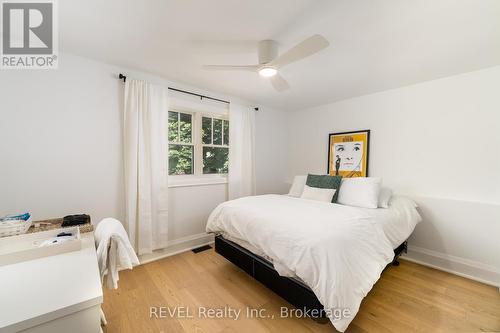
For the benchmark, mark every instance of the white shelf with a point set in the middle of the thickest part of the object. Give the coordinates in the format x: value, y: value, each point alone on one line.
x: 16, y: 249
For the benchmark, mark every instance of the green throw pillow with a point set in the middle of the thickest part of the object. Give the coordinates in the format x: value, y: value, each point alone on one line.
x: 325, y: 181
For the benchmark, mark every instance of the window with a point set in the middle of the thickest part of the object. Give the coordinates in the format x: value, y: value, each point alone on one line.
x: 198, y: 144
x: 215, y: 142
x: 180, y: 147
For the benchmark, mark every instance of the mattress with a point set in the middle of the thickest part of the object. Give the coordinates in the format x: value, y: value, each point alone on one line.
x: 398, y: 222
x: 337, y: 251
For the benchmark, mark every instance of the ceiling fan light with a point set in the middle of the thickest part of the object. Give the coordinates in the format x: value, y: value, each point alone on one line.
x: 268, y: 71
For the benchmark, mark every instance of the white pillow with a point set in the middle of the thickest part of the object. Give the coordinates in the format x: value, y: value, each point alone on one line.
x: 360, y: 192
x: 318, y: 194
x: 384, y: 197
x: 298, y: 186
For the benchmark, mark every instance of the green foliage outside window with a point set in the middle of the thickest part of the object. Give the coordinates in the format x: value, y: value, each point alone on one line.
x: 185, y: 130
x: 217, y: 132
x: 226, y: 132
x: 180, y: 157
x: 215, y: 160
x: 206, y: 130
x: 173, y: 126
x: 214, y: 140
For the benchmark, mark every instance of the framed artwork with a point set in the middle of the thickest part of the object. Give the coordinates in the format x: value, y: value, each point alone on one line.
x: 348, y: 154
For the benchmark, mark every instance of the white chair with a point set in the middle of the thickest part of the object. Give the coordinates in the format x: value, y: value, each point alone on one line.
x: 103, y: 320
x: 114, y: 253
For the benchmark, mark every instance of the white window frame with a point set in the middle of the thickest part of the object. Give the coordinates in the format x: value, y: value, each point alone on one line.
x: 197, y: 178
x: 211, y: 116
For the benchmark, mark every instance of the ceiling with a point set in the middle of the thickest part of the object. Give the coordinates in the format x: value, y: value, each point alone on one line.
x: 375, y: 44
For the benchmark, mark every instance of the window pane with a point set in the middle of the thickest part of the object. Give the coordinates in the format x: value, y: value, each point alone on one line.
x: 226, y: 132
x: 215, y: 160
x: 206, y: 130
x: 180, y: 159
x: 173, y: 128
x: 185, y: 128
x: 217, y: 131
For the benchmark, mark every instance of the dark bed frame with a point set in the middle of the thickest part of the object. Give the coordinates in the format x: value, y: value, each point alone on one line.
x: 292, y: 290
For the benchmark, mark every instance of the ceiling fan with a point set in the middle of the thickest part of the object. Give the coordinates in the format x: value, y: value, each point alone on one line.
x: 270, y: 63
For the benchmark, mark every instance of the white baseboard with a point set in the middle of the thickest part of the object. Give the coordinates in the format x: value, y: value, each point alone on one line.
x: 455, y: 265
x: 178, y: 246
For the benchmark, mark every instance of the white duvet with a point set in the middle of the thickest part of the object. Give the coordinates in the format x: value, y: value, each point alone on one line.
x: 337, y: 251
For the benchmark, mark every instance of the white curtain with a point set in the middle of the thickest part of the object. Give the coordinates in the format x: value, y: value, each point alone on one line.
x: 146, y: 170
x: 241, y: 178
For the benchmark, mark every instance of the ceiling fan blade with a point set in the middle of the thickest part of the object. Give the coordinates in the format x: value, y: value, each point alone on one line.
x: 252, y: 68
x: 302, y: 50
x: 279, y: 83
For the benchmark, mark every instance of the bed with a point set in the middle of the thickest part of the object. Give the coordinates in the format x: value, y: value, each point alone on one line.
x: 316, y: 255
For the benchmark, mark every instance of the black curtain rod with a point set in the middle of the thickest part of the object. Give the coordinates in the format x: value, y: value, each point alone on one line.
x: 124, y: 78
x: 200, y: 96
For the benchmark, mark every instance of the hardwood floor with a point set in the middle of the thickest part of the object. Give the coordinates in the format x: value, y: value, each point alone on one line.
x: 408, y: 298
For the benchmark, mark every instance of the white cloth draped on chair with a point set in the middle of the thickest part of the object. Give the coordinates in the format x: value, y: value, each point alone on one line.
x: 241, y: 178
x: 114, y: 251
x: 146, y: 169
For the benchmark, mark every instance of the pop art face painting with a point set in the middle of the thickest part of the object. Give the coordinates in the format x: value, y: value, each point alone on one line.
x: 348, y: 154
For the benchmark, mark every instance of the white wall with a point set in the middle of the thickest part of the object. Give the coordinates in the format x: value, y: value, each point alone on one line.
x: 271, y: 140
x: 61, y: 147
x: 438, y: 142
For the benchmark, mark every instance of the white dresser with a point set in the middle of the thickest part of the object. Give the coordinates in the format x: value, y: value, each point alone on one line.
x: 56, y: 294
